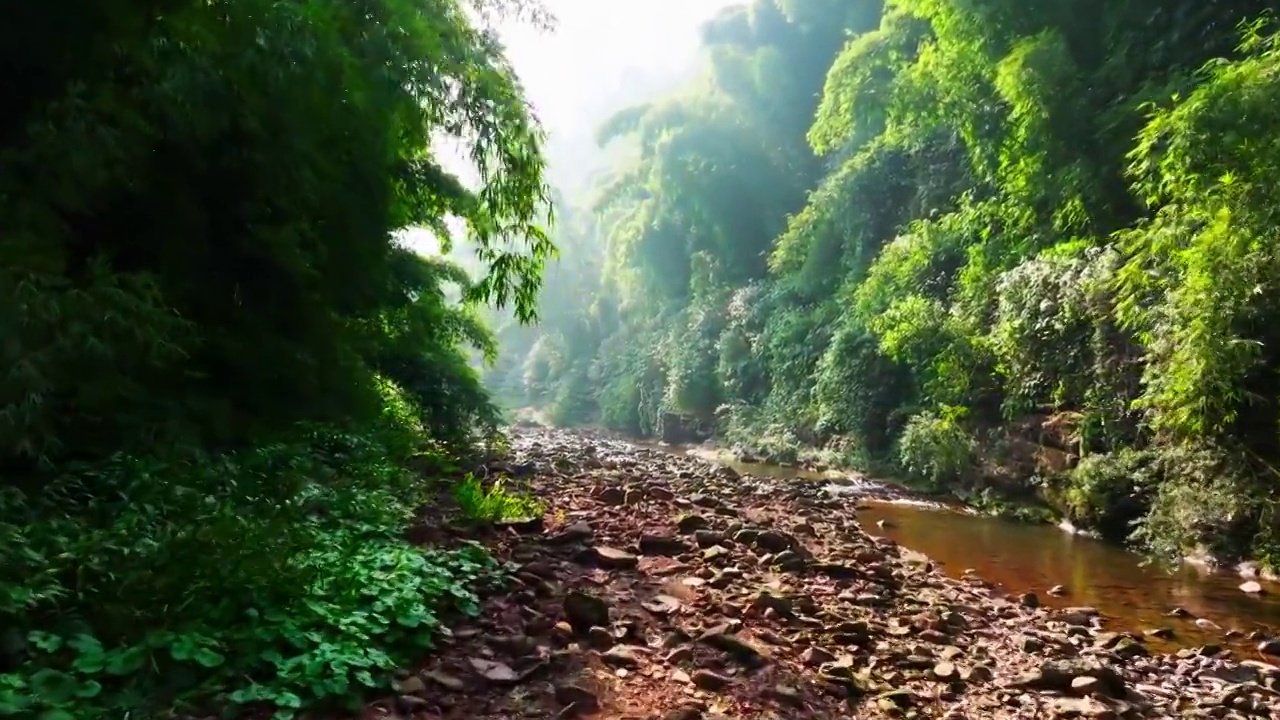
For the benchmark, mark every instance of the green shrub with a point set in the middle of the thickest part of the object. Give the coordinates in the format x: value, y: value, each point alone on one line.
x: 935, y: 449
x: 495, y: 503
x: 1108, y: 491
x: 276, y: 576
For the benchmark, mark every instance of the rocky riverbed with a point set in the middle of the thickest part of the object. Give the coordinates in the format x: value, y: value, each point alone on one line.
x: 660, y: 587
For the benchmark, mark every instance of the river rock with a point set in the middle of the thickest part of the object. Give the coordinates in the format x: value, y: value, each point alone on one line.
x: 578, y: 697
x: 722, y: 638
x: 662, y: 605
x: 1252, y: 587
x: 858, y: 616
x: 577, y: 532
x: 708, y: 680
x: 495, y: 672
x: 709, y: 538
x: 444, y: 680
x: 585, y: 611
x: 688, y: 524
x: 775, y: 542
x: 624, y: 656
x: 612, y: 496
x: 610, y: 557
x: 662, y: 545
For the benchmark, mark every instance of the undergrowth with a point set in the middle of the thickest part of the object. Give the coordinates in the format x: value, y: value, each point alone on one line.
x: 275, y: 578
x: 494, y: 504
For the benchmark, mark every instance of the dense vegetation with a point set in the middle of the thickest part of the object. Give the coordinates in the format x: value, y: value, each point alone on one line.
x: 1012, y: 249
x: 224, y: 378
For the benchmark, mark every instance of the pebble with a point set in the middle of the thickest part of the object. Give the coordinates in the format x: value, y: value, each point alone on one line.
x: 758, y: 599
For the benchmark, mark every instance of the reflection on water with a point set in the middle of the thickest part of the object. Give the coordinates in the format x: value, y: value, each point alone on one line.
x: 1021, y: 558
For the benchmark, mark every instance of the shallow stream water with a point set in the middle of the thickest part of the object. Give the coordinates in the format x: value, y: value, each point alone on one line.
x: 1020, y: 557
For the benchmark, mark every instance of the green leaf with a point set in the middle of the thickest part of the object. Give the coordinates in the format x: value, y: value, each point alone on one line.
x: 126, y: 661
x: 89, y: 688
x: 45, y: 641
x: 208, y: 657
x: 54, y: 686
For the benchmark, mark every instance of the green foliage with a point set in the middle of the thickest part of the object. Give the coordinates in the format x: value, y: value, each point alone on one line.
x: 1107, y: 491
x: 985, y: 216
x: 494, y: 504
x: 220, y: 360
x: 276, y: 576
x: 936, y: 449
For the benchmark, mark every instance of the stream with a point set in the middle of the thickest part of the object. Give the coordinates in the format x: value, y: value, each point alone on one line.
x: 1021, y: 557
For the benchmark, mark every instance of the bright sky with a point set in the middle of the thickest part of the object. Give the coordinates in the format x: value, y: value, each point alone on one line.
x: 595, y: 43
x: 598, y: 58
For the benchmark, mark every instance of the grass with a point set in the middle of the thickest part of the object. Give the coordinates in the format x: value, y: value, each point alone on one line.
x: 495, y: 504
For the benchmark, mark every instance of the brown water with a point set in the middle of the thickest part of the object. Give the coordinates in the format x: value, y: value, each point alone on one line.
x: 1033, y: 558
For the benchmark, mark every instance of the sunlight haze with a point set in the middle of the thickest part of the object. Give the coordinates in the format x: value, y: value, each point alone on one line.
x: 600, y: 57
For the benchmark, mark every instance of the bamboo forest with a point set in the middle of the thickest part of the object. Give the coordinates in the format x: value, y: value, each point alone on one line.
x: 880, y: 359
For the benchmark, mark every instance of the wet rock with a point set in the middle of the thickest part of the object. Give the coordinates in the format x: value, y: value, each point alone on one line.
x: 495, y: 672
x: 688, y: 712
x: 662, y: 605
x: 1160, y: 633
x: 785, y: 695
x: 775, y: 542
x: 945, y: 671
x: 765, y: 600
x: 815, y: 656
x: 715, y: 553
x: 444, y: 680
x: 706, y: 502
x: 1082, y: 708
x: 1029, y: 599
x: 585, y: 611
x: 688, y: 524
x: 578, y: 697
x: 1107, y: 640
x: 1058, y: 676
x: 662, y: 545
x: 788, y: 561
x: 709, y: 538
x: 1128, y: 648
x: 623, y: 656
x: 411, y: 685
x: 978, y: 674
x: 611, y: 496
x: 658, y: 492
x: 1252, y: 587
x: 1085, y: 685
x: 895, y: 700
x: 600, y: 638
x: 679, y: 655
x: 722, y: 638
x: 1058, y: 590
x: 1269, y: 647
x: 610, y: 557
x: 1207, y: 624
x: 708, y: 680
x: 410, y: 704
x: 577, y: 532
